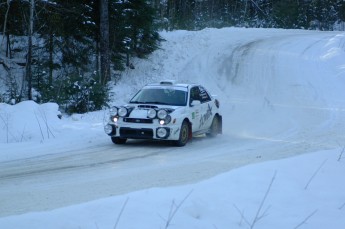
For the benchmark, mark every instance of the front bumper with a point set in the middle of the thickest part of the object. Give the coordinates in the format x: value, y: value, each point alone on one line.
x: 142, y: 131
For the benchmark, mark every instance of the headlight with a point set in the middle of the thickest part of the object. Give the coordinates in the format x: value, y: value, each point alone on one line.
x: 162, y: 132
x: 108, y: 129
x: 162, y: 114
x: 151, y: 113
x: 114, y: 119
x: 113, y: 111
x: 122, y: 111
x: 165, y: 121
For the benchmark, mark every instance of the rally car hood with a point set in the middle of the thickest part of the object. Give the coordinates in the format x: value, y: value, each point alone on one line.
x: 140, y: 110
x: 138, y: 113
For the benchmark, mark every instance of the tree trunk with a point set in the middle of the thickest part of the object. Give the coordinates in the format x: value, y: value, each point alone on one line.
x: 5, y: 22
x: 8, y: 46
x: 51, y: 61
x: 104, y: 41
x: 98, y: 60
x: 29, y: 55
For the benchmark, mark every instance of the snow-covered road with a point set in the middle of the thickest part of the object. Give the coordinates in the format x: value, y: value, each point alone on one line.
x: 281, y: 95
x: 77, y: 176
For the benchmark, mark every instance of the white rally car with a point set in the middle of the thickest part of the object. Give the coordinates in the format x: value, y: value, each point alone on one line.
x: 166, y: 111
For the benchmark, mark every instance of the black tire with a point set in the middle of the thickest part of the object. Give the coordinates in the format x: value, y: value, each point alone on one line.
x: 215, y: 127
x: 184, y: 135
x: 118, y: 141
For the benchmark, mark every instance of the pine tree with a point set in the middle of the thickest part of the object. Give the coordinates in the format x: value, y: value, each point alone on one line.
x: 133, y: 31
x: 286, y: 13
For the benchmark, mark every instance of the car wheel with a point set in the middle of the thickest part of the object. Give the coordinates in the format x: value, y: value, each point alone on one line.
x: 184, y: 134
x: 118, y: 141
x: 215, y: 127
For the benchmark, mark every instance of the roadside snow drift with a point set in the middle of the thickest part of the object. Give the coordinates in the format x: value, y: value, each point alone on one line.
x: 28, y: 121
x: 302, y: 192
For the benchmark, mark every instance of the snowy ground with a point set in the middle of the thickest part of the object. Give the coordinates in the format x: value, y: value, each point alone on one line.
x: 282, y: 95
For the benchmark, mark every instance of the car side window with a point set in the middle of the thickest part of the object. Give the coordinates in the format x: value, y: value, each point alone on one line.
x: 194, y: 94
x: 204, y: 96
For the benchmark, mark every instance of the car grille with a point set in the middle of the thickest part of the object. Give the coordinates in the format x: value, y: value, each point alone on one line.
x: 143, y: 133
x: 138, y: 120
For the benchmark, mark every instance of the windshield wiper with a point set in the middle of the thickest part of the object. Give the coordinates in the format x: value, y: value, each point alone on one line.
x: 134, y: 102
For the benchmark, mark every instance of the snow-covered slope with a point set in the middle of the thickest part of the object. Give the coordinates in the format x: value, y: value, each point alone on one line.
x: 275, y: 85
x: 282, y: 94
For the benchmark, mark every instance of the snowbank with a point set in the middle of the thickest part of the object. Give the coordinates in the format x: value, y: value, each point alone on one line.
x: 28, y: 120
x: 302, y: 192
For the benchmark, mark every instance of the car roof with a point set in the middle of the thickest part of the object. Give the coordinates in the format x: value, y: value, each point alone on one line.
x: 171, y: 83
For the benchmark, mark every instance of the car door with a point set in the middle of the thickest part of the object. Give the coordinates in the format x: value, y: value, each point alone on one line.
x: 195, y: 108
x: 206, y: 109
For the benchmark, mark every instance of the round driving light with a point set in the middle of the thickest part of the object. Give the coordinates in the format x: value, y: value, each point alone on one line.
x: 161, y: 114
x: 161, y: 122
x: 162, y: 132
x: 122, y: 111
x: 167, y: 119
x: 151, y: 113
x: 108, y: 129
x: 114, y: 119
x: 113, y: 111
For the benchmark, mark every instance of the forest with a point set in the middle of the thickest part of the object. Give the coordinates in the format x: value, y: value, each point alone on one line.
x: 69, y: 52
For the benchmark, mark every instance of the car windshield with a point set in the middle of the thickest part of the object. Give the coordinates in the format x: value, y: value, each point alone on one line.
x: 161, y: 96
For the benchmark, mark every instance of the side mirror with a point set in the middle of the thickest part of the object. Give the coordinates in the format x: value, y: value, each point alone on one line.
x: 195, y: 103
